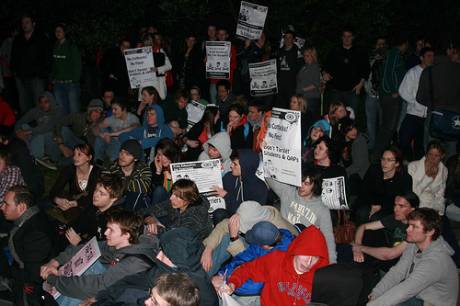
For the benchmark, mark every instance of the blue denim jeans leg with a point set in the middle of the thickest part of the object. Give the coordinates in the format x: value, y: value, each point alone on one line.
x: 68, y: 96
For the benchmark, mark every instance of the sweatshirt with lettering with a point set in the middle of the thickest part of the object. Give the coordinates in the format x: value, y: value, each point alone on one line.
x: 296, y: 209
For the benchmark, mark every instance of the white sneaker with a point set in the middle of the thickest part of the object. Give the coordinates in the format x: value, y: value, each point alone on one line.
x: 45, y: 162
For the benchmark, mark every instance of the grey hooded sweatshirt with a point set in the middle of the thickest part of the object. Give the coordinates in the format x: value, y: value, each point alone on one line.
x: 296, y: 209
x: 41, y: 122
x: 129, y: 260
x: 433, y: 279
x: 221, y: 141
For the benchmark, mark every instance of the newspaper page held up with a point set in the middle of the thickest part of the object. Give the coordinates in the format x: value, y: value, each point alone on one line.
x: 218, y: 59
x: 139, y: 62
x: 263, y: 78
x: 206, y: 174
x: 251, y: 20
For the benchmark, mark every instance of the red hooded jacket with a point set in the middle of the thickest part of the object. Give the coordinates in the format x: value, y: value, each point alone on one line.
x: 283, y: 286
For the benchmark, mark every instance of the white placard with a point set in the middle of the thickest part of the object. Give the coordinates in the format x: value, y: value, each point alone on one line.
x: 206, y: 174
x: 251, y: 20
x: 218, y: 59
x: 79, y: 263
x: 334, y: 193
x: 139, y: 62
x: 263, y: 78
x: 282, y: 150
x: 195, y: 112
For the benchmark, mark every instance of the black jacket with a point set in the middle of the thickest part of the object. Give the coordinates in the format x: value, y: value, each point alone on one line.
x: 32, y: 57
x: 181, y: 247
x: 33, y: 243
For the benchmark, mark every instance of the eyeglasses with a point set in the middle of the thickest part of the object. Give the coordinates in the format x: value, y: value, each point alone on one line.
x: 390, y: 160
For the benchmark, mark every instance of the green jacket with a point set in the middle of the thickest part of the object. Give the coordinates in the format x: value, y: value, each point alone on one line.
x: 66, y: 62
x: 393, y: 72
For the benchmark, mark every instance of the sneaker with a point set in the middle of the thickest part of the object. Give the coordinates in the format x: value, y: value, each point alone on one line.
x: 45, y: 162
x: 5, y: 284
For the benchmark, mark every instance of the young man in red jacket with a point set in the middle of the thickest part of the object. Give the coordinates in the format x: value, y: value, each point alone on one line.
x: 290, y: 280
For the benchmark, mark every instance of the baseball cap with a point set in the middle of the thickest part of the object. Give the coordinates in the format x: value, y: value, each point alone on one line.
x: 263, y: 233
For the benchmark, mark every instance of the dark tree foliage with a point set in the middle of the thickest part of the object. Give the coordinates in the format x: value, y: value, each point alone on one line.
x: 98, y: 24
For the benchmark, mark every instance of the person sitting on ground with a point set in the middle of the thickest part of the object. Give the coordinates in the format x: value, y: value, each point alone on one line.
x: 36, y: 129
x: 278, y: 270
x: 107, y: 142
x: 30, y: 243
x: 151, y: 132
x: 185, y: 208
x: 337, y: 111
x: 425, y: 273
x: 303, y: 205
x: 10, y: 175
x: 150, y: 97
x: 73, y: 189
x: 92, y: 222
x: 225, y: 240
x: 166, y: 153
x: 78, y: 128
x: 21, y: 157
x: 242, y: 184
x: 354, y: 153
x: 176, y: 110
x: 218, y: 147
x: 389, y: 244
x: 123, y: 253
x: 381, y: 184
x: 263, y: 238
x: 201, y: 132
x: 238, y: 128
x: 180, y: 252
x: 319, y: 129
x: 176, y: 289
x: 132, y: 170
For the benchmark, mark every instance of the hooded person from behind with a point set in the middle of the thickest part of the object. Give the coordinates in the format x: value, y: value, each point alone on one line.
x: 221, y: 142
x: 183, y: 250
x: 288, y: 276
x: 242, y: 184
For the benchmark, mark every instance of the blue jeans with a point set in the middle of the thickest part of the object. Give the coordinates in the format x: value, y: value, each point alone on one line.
x: 96, y: 268
x: 102, y: 148
x: 411, y: 302
x: 42, y: 144
x: 29, y: 89
x: 373, y: 118
x: 68, y: 96
x: 220, y: 255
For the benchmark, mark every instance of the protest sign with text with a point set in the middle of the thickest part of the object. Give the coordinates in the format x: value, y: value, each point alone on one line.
x: 251, y: 20
x: 218, y: 59
x: 139, y: 62
x: 263, y: 78
x: 206, y: 174
x: 282, y: 149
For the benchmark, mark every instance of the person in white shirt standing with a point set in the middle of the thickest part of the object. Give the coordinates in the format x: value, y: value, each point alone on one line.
x: 412, y: 127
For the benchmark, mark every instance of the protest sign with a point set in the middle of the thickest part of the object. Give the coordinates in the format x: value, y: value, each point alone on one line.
x: 79, y: 263
x: 251, y: 20
x: 195, y: 112
x: 218, y: 59
x: 334, y: 193
x: 263, y: 78
x: 282, y: 150
x: 139, y: 62
x: 206, y: 174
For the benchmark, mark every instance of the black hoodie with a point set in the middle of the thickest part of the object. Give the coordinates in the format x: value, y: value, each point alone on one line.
x: 184, y: 250
x: 247, y: 187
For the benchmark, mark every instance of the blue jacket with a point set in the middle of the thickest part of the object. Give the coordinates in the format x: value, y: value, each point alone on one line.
x: 252, y: 252
x: 149, y: 136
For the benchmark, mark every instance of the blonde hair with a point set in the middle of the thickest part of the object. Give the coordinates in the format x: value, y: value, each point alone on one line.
x: 312, y: 51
